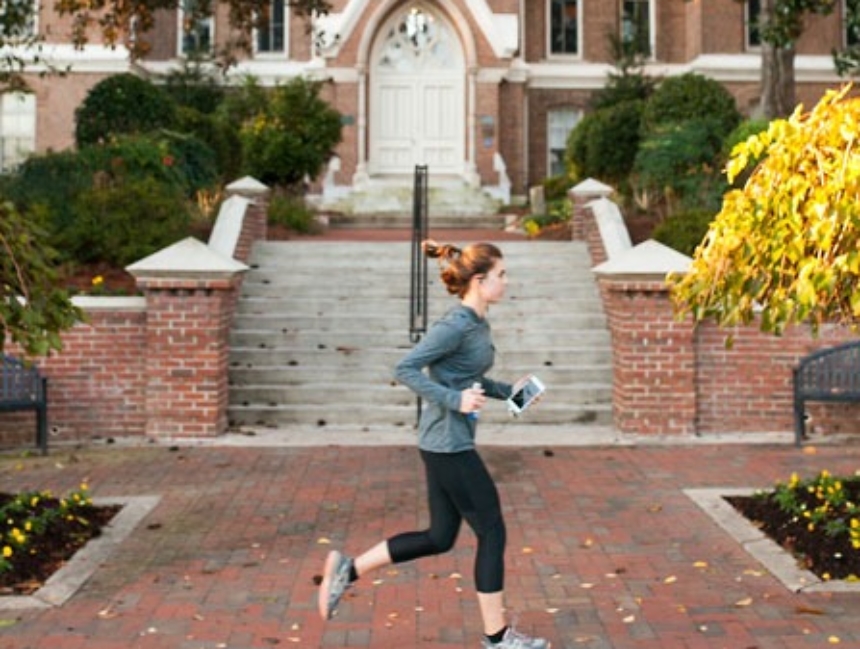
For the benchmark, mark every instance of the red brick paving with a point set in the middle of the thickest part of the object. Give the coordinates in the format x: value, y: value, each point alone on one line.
x: 603, y: 551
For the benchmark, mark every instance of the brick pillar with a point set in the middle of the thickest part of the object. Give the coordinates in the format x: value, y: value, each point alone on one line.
x: 580, y: 196
x: 653, y: 355
x: 256, y: 219
x: 189, y: 291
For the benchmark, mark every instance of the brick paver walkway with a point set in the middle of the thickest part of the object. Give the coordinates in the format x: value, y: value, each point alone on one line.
x: 605, y: 550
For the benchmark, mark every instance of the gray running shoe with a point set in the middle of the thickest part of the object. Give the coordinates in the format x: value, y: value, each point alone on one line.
x: 515, y: 640
x: 334, y: 583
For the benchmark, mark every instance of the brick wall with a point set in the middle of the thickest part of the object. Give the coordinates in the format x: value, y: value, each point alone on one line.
x: 674, y: 377
x: 150, y: 365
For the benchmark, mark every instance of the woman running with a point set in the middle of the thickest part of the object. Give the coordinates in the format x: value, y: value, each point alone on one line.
x: 456, y: 352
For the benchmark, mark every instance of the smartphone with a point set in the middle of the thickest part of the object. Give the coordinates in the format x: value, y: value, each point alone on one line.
x: 523, y: 398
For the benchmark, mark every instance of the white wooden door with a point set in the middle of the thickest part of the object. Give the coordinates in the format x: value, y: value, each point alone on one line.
x: 417, y: 105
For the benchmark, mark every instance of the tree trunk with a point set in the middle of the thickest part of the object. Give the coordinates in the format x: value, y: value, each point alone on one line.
x: 777, y: 70
x: 777, y: 81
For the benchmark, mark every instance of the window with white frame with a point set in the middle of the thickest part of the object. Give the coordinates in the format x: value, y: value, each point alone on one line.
x: 560, y: 123
x: 637, y: 33
x: 564, y: 26
x: 17, y: 128
x: 752, y: 23
x: 196, y: 27
x: 273, y: 36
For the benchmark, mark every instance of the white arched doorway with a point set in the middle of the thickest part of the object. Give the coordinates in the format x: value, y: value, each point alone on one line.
x: 417, y: 98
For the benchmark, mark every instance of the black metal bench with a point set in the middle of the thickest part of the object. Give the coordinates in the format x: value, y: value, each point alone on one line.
x: 831, y: 374
x: 22, y: 387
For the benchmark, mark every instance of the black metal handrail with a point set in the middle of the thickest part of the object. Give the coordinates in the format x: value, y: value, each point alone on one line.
x: 418, y: 291
x: 418, y: 275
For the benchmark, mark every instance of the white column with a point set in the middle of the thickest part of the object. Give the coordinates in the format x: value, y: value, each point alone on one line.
x: 471, y: 173
x: 361, y: 178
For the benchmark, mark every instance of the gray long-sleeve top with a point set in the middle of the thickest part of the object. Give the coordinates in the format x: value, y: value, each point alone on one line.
x: 457, y: 351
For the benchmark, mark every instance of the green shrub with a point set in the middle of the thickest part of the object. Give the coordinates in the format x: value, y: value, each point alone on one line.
x: 120, y: 223
x: 684, y: 231
x: 122, y: 104
x: 687, y: 97
x: 291, y: 212
x: 194, y: 86
x: 604, y: 143
x: 681, y: 162
x: 219, y: 135
x: 556, y: 187
x: 293, y: 137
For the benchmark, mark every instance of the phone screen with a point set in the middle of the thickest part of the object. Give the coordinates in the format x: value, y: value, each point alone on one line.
x: 528, y: 392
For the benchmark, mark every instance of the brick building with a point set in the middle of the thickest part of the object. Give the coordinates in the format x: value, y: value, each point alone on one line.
x: 483, y: 91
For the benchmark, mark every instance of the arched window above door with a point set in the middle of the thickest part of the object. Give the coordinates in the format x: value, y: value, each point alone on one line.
x: 416, y: 42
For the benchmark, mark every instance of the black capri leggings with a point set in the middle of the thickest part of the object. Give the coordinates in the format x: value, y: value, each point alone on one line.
x: 459, y: 487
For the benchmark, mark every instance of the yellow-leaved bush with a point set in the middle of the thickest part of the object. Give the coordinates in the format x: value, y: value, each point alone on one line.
x: 786, y: 246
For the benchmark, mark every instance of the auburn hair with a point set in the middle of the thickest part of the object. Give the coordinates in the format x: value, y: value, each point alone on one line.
x: 459, y: 266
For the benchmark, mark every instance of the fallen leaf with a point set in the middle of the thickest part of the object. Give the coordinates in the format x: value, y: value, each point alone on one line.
x: 671, y: 579
x: 834, y: 639
x: 527, y: 550
x: 586, y: 585
x: 587, y: 543
x: 808, y: 610
x: 7, y: 623
x: 744, y: 602
x: 656, y: 507
x: 810, y: 450
x: 630, y: 619
x: 551, y: 611
x: 700, y: 564
x: 323, y: 541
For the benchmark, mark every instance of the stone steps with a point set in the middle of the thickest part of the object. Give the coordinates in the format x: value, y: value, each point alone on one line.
x: 320, y: 326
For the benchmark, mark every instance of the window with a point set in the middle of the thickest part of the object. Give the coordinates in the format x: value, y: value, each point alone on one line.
x: 564, y: 27
x: 195, y: 27
x: 636, y: 32
x: 273, y: 36
x: 17, y: 128
x: 752, y: 18
x: 559, y: 125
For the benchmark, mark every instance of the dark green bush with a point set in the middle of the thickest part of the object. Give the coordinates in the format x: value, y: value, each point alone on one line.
x: 680, y: 162
x: 121, y: 105
x: 604, y: 143
x: 219, y: 135
x: 684, y: 231
x: 65, y: 188
x: 194, y: 86
x: 687, y: 97
x: 293, y: 137
x: 120, y: 223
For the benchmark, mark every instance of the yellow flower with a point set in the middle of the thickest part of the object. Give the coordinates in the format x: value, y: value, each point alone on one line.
x: 7, y: 552
x: 98, y: 280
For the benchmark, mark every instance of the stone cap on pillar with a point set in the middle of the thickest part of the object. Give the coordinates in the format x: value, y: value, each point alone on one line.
x: 648, y: 261
x: 590, y: 187
x: 188, y: 259
x: 248, y: 186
